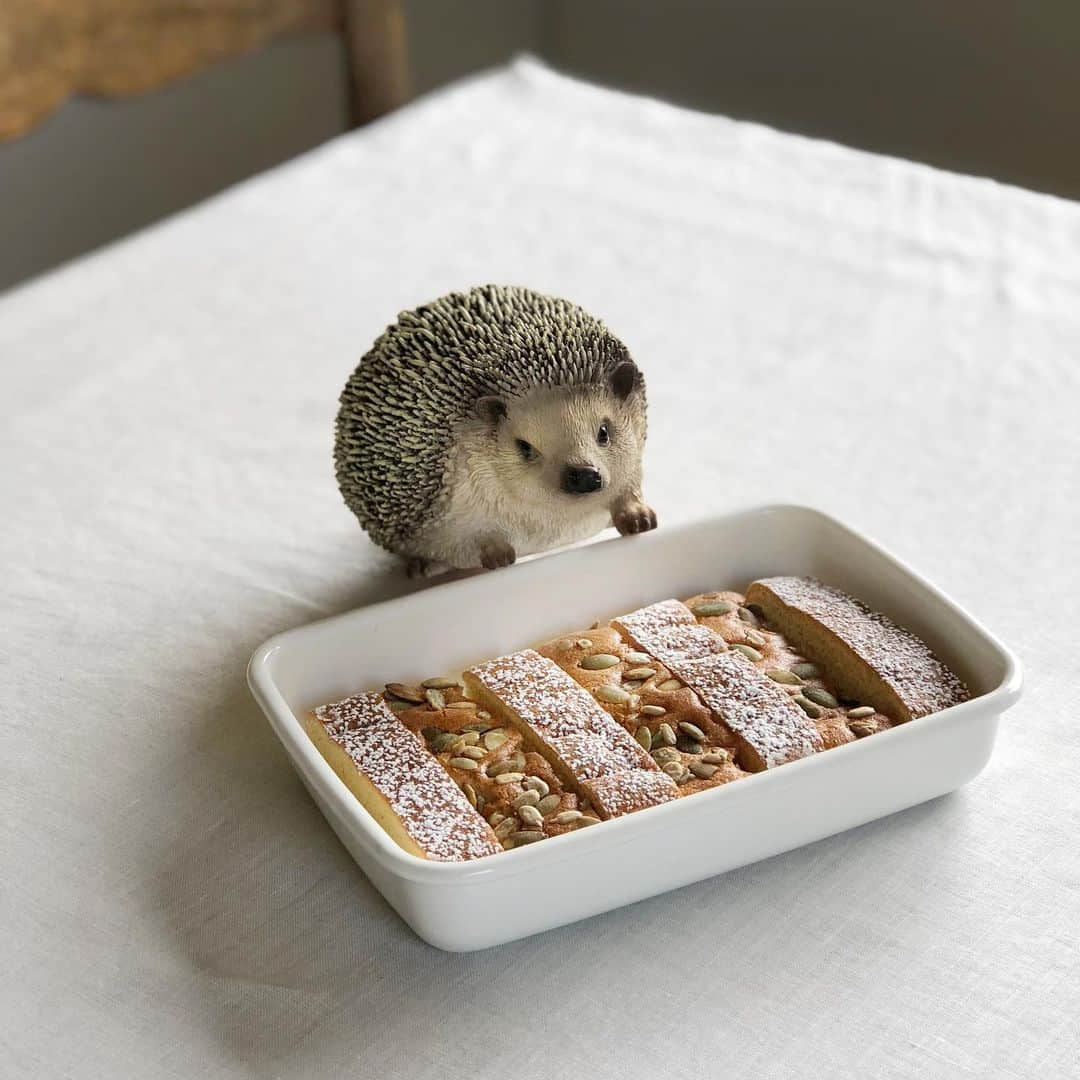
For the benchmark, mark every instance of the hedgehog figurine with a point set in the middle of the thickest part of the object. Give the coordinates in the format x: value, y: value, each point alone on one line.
x: 492, y: 424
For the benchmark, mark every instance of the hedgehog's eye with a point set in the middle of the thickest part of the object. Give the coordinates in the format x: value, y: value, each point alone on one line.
x: 603, y: 436
x: 526, y: 450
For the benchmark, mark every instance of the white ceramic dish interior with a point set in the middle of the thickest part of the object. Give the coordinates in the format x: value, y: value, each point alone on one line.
x: 464, y: 906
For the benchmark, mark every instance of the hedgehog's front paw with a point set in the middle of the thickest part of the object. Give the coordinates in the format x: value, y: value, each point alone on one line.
x: 495, y: 553
x: 633, y: 517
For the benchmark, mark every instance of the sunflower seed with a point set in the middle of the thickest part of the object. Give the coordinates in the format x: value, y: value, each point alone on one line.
x: 653, y: 710
x: 749, y: 652
x: 782, y: 675
x: 478, y: 728
x: 587, y: 819
x: 567, y: 816
x: 470, y: 737
x: 475, y: 753
x: 548, y: 804
x: 755, y: 638
x: 644, y: 737
x: 526, y: 798
x: 435, y: 699
x: 505, y: 828
x: 862, y: 728
x: 632, y: 684
x: 860, y: 712
x: 405, y: 693
x: 598, y: 661
x: 535, y: 783
x: 613, y: 695
x: 494, y: 738
x: 530, y: 815
x: 496, y: 818
x: 713, y: 607
x: 670, y: 684
x: 638, y: 658
x: 518, y: 760
x: 509, y: 777
x: 820, y: 697
x: 703, y: 770
x: 665, y: 734
x: 806, y: 671
x: 498, y: 767
x: 664, y: 754
x: 808, y: 707
x: 461, y: 705
x: 527, y: 836
x: 441, y: 684
x: 463, y: 763
x: 639, y: 673
x: 748, y: 617
x: 470, y: 793
x: 583, y: 643
x: 692, y: 730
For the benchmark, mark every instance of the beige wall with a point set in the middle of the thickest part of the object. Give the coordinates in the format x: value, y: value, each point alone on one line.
x: 984, y: 86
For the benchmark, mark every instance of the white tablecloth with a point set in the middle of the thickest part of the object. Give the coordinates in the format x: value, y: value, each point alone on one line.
x: 896, y: 345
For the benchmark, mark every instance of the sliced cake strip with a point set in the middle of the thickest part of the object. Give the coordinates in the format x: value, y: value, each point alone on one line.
x: 398, y: 782
x: 868, y: 656
x: 592, y: 752
x: 771, y: 729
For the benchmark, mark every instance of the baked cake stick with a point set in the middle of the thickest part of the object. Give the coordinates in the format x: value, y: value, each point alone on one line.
x: 770, y: 727
x: 398, y: 782
x: 867, y: 655
x: 593, y: 754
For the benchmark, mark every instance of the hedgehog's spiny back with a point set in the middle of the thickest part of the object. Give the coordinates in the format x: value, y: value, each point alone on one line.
x: 399, y: 409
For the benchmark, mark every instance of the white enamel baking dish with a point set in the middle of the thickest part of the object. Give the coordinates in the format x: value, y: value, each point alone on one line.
x: 465, y: 906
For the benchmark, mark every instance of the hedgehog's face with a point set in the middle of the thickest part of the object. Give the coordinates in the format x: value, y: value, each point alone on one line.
x: 573, y: 445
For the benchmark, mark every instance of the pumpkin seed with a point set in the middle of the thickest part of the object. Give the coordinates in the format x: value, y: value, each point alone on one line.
x: 664, y: 754
x: 862, y: 728
x: 703, y: 770
x: 474, y: 753
x: 808, y: 707
x: 653, y: 710
x: 587, y: 819
x: 567, y: 816
x: 430, y: 733
x: 441, y: 684
x: 496, y: 818
x: 494, y: 738
x: 482, y: 714
x: 715, y: 757
x: 644, y: 737
x: 530, y: 815
x: 534, y: 783
x: 548, y: 804
x: 461, y: 705
x: 860, y: 712
x: 397, y: 707
x: 665, y: 734
x: 527, y: 836
x: 613, y: 695
x: 748, y: 617
x: 692, y: 730
x: 806, y: 670
x: 478, y: 728
x: 820, y: 697
x: 508, y: 777
x: 688, y: 746
x: 674, y: 769
x: 600, y: 661
x: 497, y: 767
x: 583, y: 643
x: 480, y: 803
x: 638, y: 658
x: 435, y: 699
x: 470, y: 737
x: 713, y: 607
x: 505, y: 827
x: 782, y: 675
x: 518, y: 760
x: 443, y: 741
x: 463, y: 763
x: 749, y: 652
x: 639, y: 673
x: 470, y: 793
x: 405, y: 693
x: 755, y: 638
x: 526, y: 798
x: 632, y: 684
x: 670, y: 684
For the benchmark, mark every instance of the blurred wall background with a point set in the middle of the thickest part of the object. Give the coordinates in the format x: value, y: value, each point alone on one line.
x: 990, y: 87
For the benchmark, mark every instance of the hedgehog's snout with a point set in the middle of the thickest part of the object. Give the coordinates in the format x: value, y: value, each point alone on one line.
x: 581, y: 480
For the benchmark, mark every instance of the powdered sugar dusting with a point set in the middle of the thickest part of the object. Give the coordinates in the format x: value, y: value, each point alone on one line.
x: 566, y: 717
x: 430, y: 805
x: 742, y: 697
x: 625, y: 792
x: 921, y: 681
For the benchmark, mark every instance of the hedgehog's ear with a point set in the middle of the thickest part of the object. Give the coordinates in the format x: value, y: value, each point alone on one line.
x: 490, y: 409
x: 624, y: 379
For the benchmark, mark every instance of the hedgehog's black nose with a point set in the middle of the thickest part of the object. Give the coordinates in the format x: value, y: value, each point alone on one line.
x: 580, y: 481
